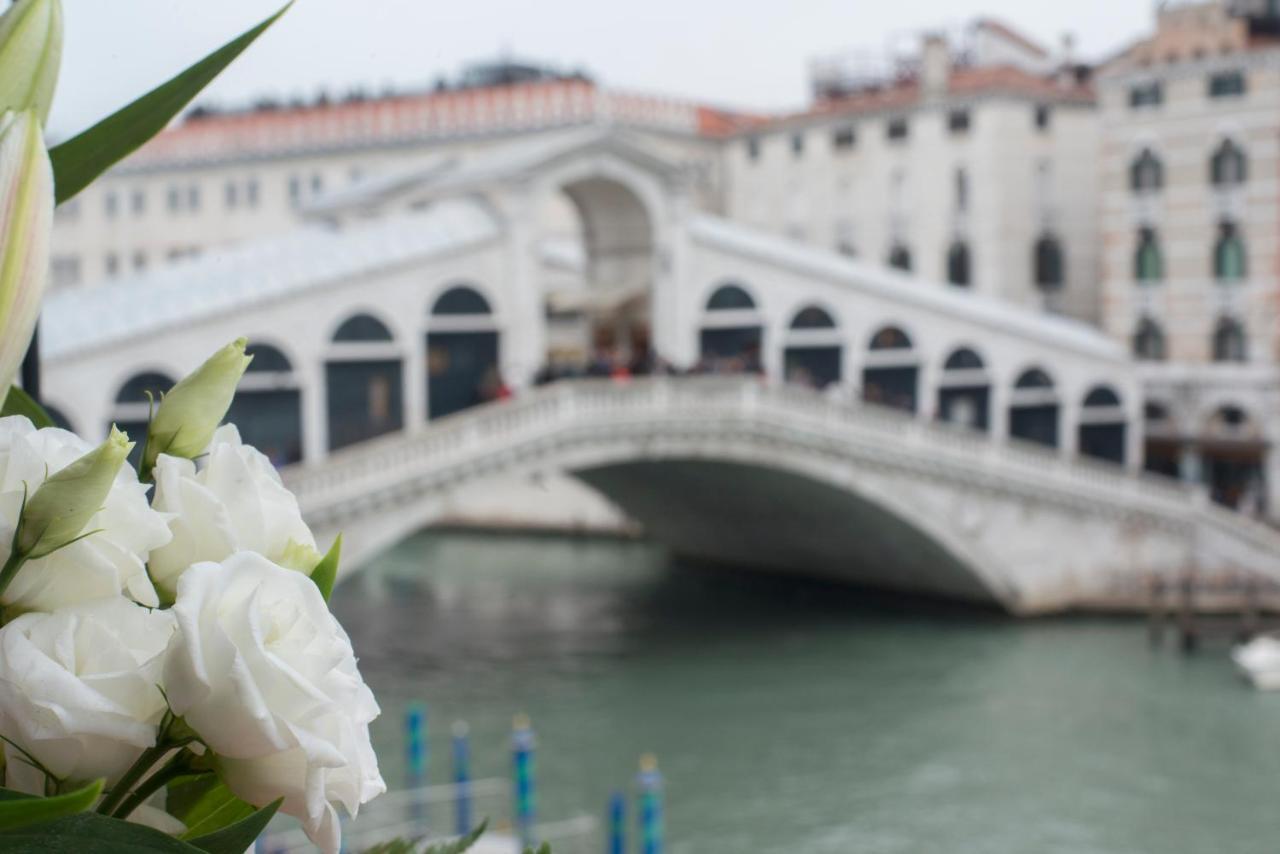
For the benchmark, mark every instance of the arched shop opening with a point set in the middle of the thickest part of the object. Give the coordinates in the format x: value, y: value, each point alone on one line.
x: 813, y: 351
x: 1162, y: 446
x: 267, y: 408
x: 1034, y: 409
x: 1232, y: 452
x: 363, y: 382
x: 964, y: 391
x: 891, y: 373
x: 462, y: 352
x: 1102, y: 429
x: 732, y: 335
x: 134, y: 404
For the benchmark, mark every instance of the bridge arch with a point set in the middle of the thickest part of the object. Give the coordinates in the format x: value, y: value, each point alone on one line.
x: 813, y: 347
x: 731, y: 331
x: 1034, y: 408
x: 964, y: 389
x: 267, y: 408
x: 891, y: 369
x: 1232, y: 455
x: 364, y: 380
x: 462, y: 346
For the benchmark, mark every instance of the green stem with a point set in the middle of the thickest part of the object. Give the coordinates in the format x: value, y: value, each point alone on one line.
x: 149, y: 757
x: 174, y: 768
x: 11, y: 567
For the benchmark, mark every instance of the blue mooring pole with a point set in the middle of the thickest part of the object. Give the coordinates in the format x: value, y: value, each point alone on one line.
x: 522, y: 747
x: 617, y: 824
x: 649, y: 794
x: 462, y: 778
x: 415, y: 745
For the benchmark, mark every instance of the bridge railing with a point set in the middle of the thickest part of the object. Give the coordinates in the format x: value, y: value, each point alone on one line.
x: 603, y: 404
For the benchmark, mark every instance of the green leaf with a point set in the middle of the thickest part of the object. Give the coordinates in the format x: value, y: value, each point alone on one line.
x: 205, y: 804
x: 90, y: 833
x: 82, y: 158
x: 18, y: 811
x: 18, y: 402
x: 236, y: 838
x: 459, y: 845
x: 326, y: 572
x: 394, y: 846
x: 542, y: 849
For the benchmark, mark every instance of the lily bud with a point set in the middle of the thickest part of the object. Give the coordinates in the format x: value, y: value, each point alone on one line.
x: 58, y: 511
x: 30, y: 55
x: 187, y: 416
x: 26, y: 219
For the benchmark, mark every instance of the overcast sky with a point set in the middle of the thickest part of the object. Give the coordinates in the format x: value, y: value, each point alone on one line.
x: 747, y: 53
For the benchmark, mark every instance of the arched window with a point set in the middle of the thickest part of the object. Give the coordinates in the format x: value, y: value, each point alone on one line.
x: 890, y: 373
x: 267, y: 408
x: 1229, y: 341
x: 135, y: 403
x: 1048, y: 264
x: 1033, y: 409
x: 461, y: 300
x: 1228, y: 253
x: 144, y: 388
x: 1227, y: 166
x: 964, y: 390
x: 730, y: 298
x: 1102, y: 425
x: 900, y: 257
x: 813, y: 351
x: 963, y: 359
x: 812, y: 317
x: 1148, y: 263
x: 890, y: 338
x: 958, y: 264
x: 1146, y: 172
x: 362, y: 327
x: 1148, y: 341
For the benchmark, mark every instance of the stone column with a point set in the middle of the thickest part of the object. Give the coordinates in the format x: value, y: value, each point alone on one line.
x: 315, y: 418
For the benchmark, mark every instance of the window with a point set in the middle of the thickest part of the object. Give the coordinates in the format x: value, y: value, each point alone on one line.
x: 753, y: 154
x: 1226, y: 84
x: 317, y: 183
x: 295, y: 190
x: 812, y: 317
x: 958, y: 264
x: 251, y: 192
x: 844, y: 138
x: 139, y: 261
x: 362, y: 327
x: 1227, y: 167
x: 797, y: 144
x: 1148, y: 341
x: 193, y: 197
x: 1228, y: 253
x: 897, y: 129
x: 1148, y: 264
x: 1150, y: 94
x: 1048, y: 264
x: 1146, y: 173
x: 139, y: 202
x: 730, y: 298
x: 461, y: 300
x: 231, y: 194
x: 111, y: 264
x: 1229, y: 341
x: 65, y: 270
x: 962, y: 189
x: 111, y: 204
x: 900, y: 257
x: 958, y: 121
x: 174, y: 198
x: 1043, y: 116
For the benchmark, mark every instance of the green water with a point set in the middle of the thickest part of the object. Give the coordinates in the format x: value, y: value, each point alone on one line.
x: 808, y: 719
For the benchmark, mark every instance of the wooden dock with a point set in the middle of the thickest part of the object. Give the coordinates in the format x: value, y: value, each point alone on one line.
x: 1197, y: 610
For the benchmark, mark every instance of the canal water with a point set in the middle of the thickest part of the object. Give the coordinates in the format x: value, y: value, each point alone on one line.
x: 804, y: 719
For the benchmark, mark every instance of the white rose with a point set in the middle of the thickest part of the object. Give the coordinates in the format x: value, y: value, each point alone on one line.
x: 78, y: 690
x: 234, y: 502
x: 264, y: 674
x: 103, y: 564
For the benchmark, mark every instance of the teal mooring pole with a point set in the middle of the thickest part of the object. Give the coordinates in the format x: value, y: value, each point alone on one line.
x: 649, y: 793
x: 522, y: 747
x: 617, y: 824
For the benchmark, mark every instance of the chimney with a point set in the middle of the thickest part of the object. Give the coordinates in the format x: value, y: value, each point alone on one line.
x: 935, y: 66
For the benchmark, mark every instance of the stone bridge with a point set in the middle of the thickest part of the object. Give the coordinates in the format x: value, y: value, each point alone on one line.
x: 743, y: 472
